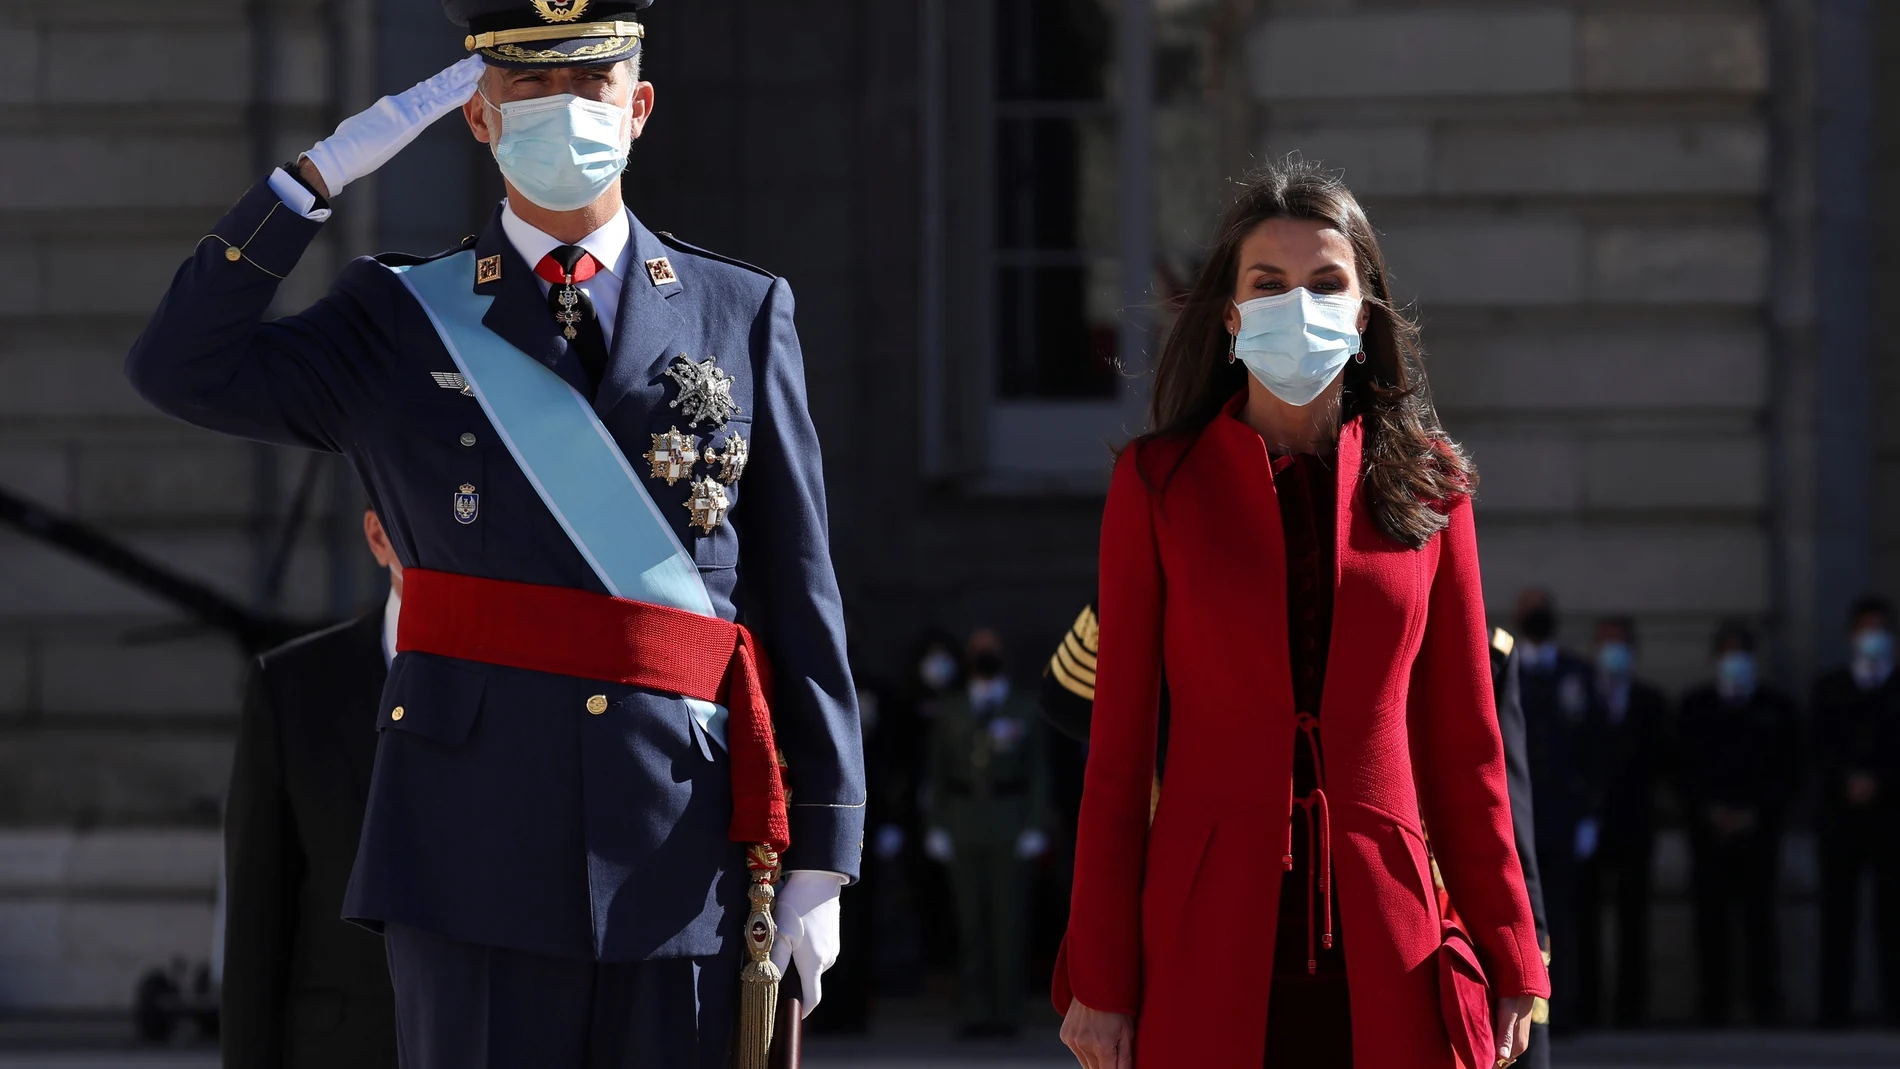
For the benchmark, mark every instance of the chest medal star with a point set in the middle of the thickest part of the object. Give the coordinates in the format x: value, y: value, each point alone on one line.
x: 732, y: 461
x: 708, y: 504
x: 705, y: 391
x: 673, y: 456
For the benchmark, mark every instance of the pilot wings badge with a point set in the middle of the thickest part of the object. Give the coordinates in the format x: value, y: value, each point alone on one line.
x: 705, y: 391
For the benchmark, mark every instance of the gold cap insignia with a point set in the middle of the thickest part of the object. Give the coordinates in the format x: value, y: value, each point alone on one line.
x: 487, y: 269
x: 559, y: 10
x: 660, y: 270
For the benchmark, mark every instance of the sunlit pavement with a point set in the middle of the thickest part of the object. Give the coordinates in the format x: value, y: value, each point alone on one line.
x: 916, y: 1043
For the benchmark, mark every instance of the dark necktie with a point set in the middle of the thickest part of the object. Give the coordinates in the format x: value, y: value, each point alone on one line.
x: 562, y: 270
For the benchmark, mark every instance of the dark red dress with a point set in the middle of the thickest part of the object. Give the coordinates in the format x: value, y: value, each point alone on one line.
x: 1309, y: 1021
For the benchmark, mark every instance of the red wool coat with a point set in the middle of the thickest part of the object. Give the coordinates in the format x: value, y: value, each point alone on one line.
x: 1174, y: 923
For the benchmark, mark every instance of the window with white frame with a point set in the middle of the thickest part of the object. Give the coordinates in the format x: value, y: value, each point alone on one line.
x: 1050, y: 247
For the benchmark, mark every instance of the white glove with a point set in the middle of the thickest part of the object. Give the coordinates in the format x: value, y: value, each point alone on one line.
x: 370, y: 138
x: 806, y: 912
x: 938, y: 847
x: 1031, y: 844
x: 890, y: 840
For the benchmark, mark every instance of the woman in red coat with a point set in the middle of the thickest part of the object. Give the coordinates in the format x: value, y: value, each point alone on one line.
x: 1292, y: 550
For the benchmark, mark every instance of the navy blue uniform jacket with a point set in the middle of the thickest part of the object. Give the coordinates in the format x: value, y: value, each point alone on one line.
x: 501, y: 812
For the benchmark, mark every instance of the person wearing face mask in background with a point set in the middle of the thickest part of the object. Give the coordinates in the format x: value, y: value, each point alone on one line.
x: 937, y: 674
x: 1632, y: 720
x: 582, y: 789
x: 1738, y: 753
x: 1857, y: 762
x: 987, y: 803
x: 1563, y: 732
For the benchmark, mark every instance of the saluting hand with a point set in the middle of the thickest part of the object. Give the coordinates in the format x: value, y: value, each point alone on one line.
x: 1100, y: 1040
x: 373, y: 136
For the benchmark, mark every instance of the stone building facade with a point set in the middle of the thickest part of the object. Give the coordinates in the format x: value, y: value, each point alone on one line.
x: 1643, y: 236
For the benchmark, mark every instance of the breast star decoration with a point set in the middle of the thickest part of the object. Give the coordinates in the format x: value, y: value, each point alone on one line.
x: 673, y: 456
x: 708, y: 504
x: 732, y: 460
x: 705, y: 391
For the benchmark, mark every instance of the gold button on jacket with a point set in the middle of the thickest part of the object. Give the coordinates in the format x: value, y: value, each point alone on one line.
x: 597, y: 704
x: 396, y: 713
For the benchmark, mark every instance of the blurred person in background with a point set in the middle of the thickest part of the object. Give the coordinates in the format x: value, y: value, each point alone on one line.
x: 1857, y: 755
x: 1561, y: 722
x: 937, y: 663
x: 1632, y: 721
x: 1738, y: 755
x: 889, y: 721
x: 1292, y: 548
x: 303, y: 987
x: 988, y: 806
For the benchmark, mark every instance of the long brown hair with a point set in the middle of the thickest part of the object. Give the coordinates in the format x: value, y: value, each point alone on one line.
x: 1410, y: 469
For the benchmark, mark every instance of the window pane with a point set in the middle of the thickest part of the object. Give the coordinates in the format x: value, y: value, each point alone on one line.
x: 1054, y: 49
x: 1056, y: 330
x: 1055, y: 184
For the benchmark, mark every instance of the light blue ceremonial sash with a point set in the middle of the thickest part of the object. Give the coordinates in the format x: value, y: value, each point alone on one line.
x: 566, y: 453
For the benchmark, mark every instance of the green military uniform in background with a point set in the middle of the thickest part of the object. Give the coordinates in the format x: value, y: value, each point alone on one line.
x: 989, y: 791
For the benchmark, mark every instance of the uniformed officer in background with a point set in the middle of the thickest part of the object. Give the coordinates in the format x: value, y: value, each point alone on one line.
x: 1633, y: 726
x: 1564, y: 751
x: 988, y: 805
x: 590, y: 446
x: 1739, y: 762
x: 1857, y: 758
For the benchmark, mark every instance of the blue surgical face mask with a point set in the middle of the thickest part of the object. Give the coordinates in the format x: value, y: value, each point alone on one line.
x: 1873, y: 646
x: 1615, y: 659
x: 1735, y: 675
x: 1296, y: 343
x: 561, y: 152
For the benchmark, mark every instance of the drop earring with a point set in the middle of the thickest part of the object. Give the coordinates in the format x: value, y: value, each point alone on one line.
x: 1359, y: 357
x: 1233, y: 343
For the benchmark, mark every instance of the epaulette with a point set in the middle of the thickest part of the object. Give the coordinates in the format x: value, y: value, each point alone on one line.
x: 1502, y: 641
x: 410, y: 259
x: 666, y: 238
x: 1074, y: 663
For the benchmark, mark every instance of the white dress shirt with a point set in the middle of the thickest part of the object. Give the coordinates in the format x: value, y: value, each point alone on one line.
x: 608, y: 245
x: 391, y: 610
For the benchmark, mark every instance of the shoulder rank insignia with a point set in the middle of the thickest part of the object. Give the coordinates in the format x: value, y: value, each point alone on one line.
x: 452, y: 380
x: 1502, y: 641
x: 660, y: 271
x: 705, y: 391
x: 732, y: 461
x: 468, y: 504
x: 673, y: 456
x: 487, y: 269
x: 708, y: 504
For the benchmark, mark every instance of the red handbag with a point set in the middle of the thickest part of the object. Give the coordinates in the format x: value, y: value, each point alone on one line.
x: 1465, y: 1000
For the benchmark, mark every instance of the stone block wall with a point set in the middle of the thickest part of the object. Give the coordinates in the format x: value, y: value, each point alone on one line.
x: 116, y: 715
x: 1575, y: 197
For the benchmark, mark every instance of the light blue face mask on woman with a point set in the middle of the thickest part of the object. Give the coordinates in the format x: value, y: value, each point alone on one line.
x: 1295, y: 343
x: 561, y: 152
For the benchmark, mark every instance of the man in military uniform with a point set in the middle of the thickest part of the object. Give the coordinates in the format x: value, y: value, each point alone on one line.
x: 1562, y: 747
x: 591, y: 449
x: 1738, y: 767
x: 1857, y: 764
x: 1631, y: 722
x: 988, y: 806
